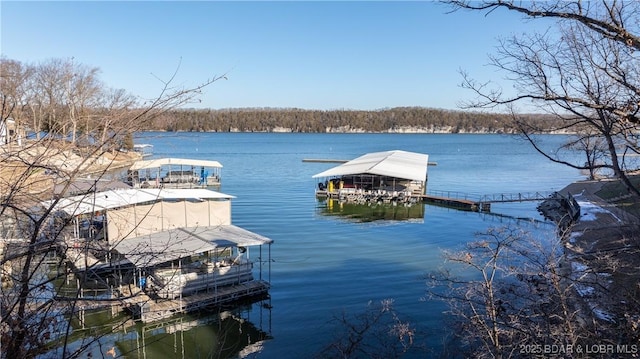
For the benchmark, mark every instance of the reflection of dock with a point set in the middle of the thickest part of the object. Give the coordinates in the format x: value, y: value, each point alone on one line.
x: 228, y: 334
x: 372, y: 211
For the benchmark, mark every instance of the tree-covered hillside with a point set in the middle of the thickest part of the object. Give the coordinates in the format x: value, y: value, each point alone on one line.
x: 404, y: 119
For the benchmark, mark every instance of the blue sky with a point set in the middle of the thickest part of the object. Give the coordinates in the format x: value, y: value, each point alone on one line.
x: 312, y: 55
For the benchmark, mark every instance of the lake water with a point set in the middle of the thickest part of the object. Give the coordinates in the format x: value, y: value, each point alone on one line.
x: 324, y: 265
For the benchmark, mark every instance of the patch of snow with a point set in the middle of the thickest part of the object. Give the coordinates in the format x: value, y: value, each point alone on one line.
x: 579, y: 271
x: 573, y: 236
x: 578, y: 267
x: 601, y: 314
x: 589, y: 210
x: 585, y: 290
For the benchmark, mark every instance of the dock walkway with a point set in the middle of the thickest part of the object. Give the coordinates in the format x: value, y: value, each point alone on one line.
x: 459, y: 203
x: 480, y: 203
x: 456, y: 200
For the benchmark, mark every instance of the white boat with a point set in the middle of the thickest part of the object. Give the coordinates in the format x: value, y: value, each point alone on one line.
x: 174, y: 173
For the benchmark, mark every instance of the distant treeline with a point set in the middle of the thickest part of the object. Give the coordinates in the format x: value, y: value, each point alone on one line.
x: 404, y: 119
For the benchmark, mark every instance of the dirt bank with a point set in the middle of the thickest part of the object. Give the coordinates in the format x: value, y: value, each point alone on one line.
x: 603, y: 246
x: 38, y: 168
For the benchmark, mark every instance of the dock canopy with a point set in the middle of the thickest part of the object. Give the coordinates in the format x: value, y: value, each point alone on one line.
x: 398, y: 164
x: 156, y: 248
x: 106, y: 200
x: 141, y: 165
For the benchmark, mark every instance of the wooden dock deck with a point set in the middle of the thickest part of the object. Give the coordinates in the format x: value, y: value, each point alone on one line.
x: 458, y: 203
x: 151, y: 310
x: 148, y: 309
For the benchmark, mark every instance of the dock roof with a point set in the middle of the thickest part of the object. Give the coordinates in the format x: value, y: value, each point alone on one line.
x: 139, y: 165
x: 101, y: 201
x: 156, y: 248
x: 396, y: 163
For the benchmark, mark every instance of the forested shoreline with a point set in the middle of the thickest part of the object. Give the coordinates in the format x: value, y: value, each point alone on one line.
x: 68, y: 99
x: 396, y: 120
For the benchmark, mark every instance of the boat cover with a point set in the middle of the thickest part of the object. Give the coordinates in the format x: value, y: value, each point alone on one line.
x: 157, y: 163
x: 101, y: 201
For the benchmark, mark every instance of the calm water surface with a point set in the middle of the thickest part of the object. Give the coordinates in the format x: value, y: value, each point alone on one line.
x: 324, y: 265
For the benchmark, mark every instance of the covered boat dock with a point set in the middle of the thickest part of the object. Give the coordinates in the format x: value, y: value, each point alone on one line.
x: 380, y: 176
x: 174, y: 173
x: 186, y: 269
x: 176, y: 247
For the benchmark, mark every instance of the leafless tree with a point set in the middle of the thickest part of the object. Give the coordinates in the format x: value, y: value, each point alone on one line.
x: 14, y: 90
x: 593, y: 147
x: 516, y: 296
x: 82, y: 92
x: 587, y: 74
x: 377, y: 332
x: 31, y: 231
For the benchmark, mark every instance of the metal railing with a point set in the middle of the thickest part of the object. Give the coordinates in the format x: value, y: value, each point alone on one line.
x: 493, y: 198
x: 454, y: 195
x: 515, y: 197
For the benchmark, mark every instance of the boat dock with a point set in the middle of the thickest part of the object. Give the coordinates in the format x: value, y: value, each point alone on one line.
x: 156, y: 253
x: 458, y: 203
x: 399, y: 177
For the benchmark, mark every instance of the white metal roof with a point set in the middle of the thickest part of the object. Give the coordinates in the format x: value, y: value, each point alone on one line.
x: 178, y: 243
x: 162, y: 247
x: 229, y: 235
x: 139, y: 165
x: 101, y: 201
x: 396, y: 163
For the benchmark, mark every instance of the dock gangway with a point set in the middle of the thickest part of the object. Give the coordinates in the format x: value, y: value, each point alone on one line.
x: 475, y: 202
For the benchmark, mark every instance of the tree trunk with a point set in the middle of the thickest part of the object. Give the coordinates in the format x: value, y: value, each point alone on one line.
x: 615, y: 164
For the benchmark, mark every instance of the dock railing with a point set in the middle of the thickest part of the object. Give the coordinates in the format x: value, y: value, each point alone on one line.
x: 515, y: 197
x: 455, y: 195
x: 493, y: 198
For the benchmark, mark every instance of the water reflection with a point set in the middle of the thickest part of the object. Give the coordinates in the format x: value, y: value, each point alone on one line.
x: 234, y: 333
x: 370, y: 212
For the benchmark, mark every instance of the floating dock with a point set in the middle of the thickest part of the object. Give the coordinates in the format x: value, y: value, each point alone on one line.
x: 458, y: 203
x: 148, y: 310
